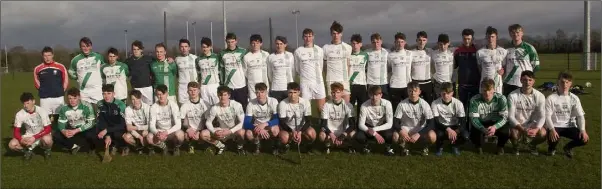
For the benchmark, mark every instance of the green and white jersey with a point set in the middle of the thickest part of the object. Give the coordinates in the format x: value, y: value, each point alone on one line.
x: 337, y: 115
x: 443, y: 65
x: 165, y: 118
x: 257, y: 67
x: 421, y: 64
x: 358, y: 62
x: 294, y: 113
x: 262, y: 113
x: 208, y: 69
x: 377, y: 67
x: 448, y: 113
x: 81, y: 116
x: 526, y: 109
x: 337, y: 59
x: 413, y: 115
x: 194, y: 113
x: 562, y: 111
x: 281, y: 70
x: 494, y: 111
x: 186, y: 68
x: 230, y: 117
x: 117, y: 75
x: 233, y: 68
x: 138, y: 117
x: 400, y: 64
x: 518, y: 59
x: 86, y: 70
x: 32, y: 122
x: 165, y: 73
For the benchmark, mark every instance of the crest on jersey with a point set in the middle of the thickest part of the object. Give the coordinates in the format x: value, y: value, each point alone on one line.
x: 54, y: 72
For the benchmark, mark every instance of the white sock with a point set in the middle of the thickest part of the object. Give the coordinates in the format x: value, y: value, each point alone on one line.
x: 74, y: 146
x: 219, y: 144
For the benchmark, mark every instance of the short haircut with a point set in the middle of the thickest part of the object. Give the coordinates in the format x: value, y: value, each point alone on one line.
x: 565, y: 75
x: 293, y: 86
x: 281, y: 39
x: 336, y: 86
x: 443, y: 38
x: 108, y: 88
x: 223, y: 89
x: 184, y: 41
x: 162, y: 88
x: 160, y: 45
x: 86, y: 41
x: 73, y: 91
x: 230, y: 36
x: 447, y: 87
x: 308, y: 31
x: 487, y: 84
x: 528, y: 73
x: 194, y: 84
x: 374, y: 90
x: 113, y: 50
x: 136, y: 93
x: 261, y: 87
x: 206, y: 41
x: 514, y: 27
x: 413, y: 85
x: 400, y: 35
x: 375, y: 36
x: 26, y: 96
x: 255, y: 37
x: 421, y: 34
x: 336, y: 26
x: 467, y: 31
x: 138, y: 44
x: 47, y: 49
x: 490, y: 30
x: 357, y: 38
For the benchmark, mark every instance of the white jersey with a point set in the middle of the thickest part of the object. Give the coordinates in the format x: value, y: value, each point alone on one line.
x: 379, y: 117
x: 186, y: 68
x: 165, y: 118
x: 400, y: 64
x: 294, y: 113
x: 358, y: 63
x: 443, y: 64
x: 257, y: 67
x: 377, y: 67
x: 309, y: 62
x: 262, y: 113
x: 337, y: 59
x: 490, y: 61
x: 139, y: 118
x: 526, y: 109
x: 194, y: 113
x: 32, y: 122
x: 413, y: 115
x: 563, y: 109
x: 281, y: 70
x: 518, y: 59
x: 421, y: 64
x: 230, y: 117
x: 335, y: 115
x: 448, y: 114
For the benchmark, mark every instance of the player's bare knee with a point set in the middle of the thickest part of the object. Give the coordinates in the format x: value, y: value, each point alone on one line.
x: 322, y: 136
x: 47, y: 140
x: 275, y: 130
x: 432, y: 136
x: 249, y: 135
x: 14, y: 145
x: 542, y: 133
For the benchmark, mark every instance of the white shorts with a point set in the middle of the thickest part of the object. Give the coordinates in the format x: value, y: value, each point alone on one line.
x: 91, y: 95
x: 311, y: 91
x: 497, y: 83
x: 52, y: 105
x: 251, y: 90
x: 182, y: 93
x: 147, y: 94
x: 345, y: 85
x: 209, y: 93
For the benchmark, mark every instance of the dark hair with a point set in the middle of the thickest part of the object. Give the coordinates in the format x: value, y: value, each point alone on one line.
x: 160, y: 45
x: 206, y: 41
x: 193, y: 84
x: 184, y: 41
x: 293, y: 86
x: 223, y: 89
x: 375, y: 36
x: 113, y: 51
x: 230, y: 36
x: 307, y: 31
x: 73, y: 91
x: 138, y: 44
x: 26, y: 96
x: 108, y: 88
x: 467, y: 31
x: 565, y: 75
x: 136, y: 93
x: 336, y: 26
x: 47, y: 49
x: 400, y: 35
x: 255, y: 37
x: 282, y: 39
x: 356, y: 37
x: 490, y: 30
x: 527, y: 73
x: 422, y: 34
x: 443, y: 38
x: 515, y: 27
x: 86, y: 41
x: 162, y: 88
x: 374, y: 89
x: 447, y: 87
x: 413, y: 85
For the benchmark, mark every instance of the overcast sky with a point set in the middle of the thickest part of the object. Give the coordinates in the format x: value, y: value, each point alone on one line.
x: 37, y: 24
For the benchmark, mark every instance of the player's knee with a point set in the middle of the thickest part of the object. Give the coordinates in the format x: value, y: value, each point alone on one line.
x: 249, y: 134
x: 275, y: 130
x: 542, y: 133
x: 47, y: 140
x: 395, y: 137
x: 284, y: 137
x: 14, y: 145
x: 322, y: 136
x: 179, y: 135
x: 432, y: 137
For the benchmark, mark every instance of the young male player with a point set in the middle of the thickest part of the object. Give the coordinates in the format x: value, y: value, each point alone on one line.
x: 309, y: 61
x: 336, y: 58
x: 110, y: 126
x: 338, y: 120
x: 76, y: 120
x: 207, y: 65
x: 488, y: 113
x: 281, y: 69
x: 116, y: 73
x: 521, y: 56
x: 261, y: 120
x: 233, y: 70
x: 164, y: 73
x: 414, y: 120
x: 526, y: 113
x: 465, y: 60
x: 186, y: 65
x: 400, y: 63
x: 256, y: 62
x: 377, y: 65
x: 421, y: 66
x: 51, y: 80
x: 85, y: 68
x: 137, y: 119
x: 139, y: 66
x: 295, y: 120
x: 442, y: 61
x: 375, y: 121
x: 193, y: 115
x: 358, y: 62
x: 165, y: 124
x: 490, y: 58
x: 450, y: 120
x: 36, y: 123
x: 565, y: 117
x: 230, y: 117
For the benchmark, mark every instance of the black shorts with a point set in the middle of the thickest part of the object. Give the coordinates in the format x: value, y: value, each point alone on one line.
x: 241, y: 95
x: 279, y: 95
x: 398, y: 95
x: 507, y: 89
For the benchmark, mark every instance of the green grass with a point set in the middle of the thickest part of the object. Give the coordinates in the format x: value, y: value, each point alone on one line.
x: 338, y: 170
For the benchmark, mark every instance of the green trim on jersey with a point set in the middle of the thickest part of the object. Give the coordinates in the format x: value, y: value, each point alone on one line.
x: 216, y: 63
x: 120, y: 76
x: 495, y: 110
x: 82, y: 116
x: 165, y: 73
x: 533, y: 59
x: 73, y: 67
x: 364, y: 62
x: 223, y: 66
